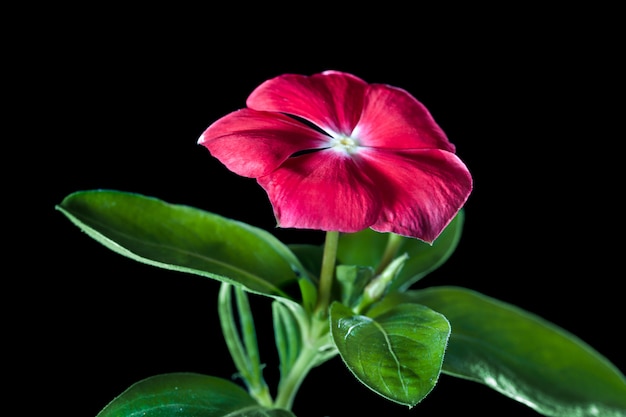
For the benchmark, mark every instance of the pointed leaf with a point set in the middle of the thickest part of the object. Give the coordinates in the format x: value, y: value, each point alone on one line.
x: 287, y: 336
x: 522, y: 355
x: 186, y: 395
x: 184, y: 238
x: 397, y: 354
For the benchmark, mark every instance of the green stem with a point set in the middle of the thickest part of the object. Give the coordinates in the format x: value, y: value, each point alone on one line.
x: 316, y: 346
x: 316, y: 349
x: 327, y: 272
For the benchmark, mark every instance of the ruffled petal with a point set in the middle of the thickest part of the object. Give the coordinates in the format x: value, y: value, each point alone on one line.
x: 323, y: 190
x: 331, y: 100
x: 421, y: 190
x: 253, y: 143
x: 394, y: 171
x: 392, y: 118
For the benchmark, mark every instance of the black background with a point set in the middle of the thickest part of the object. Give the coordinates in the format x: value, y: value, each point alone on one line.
x: 118, y: 100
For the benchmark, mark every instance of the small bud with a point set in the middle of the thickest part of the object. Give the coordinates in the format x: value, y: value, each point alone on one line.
x: 377, y: 287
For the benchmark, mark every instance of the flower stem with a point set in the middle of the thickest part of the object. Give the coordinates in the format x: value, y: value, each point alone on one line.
x: 327, y: 272
x: 316, y: 349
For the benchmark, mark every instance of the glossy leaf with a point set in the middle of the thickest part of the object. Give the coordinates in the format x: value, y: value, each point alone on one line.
x: 366, y: 248
x: 522, y: 355
x: 184, y: 238
x: 397, y: 354
x: 187, y: 395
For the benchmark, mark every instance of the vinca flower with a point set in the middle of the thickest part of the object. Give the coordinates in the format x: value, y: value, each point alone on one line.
x: 335, y: 153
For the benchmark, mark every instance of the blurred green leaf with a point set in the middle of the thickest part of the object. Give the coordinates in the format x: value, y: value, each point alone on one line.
x: 522, y: 355
x: 184, y: 238
x: 187, y: 395
x: 397, y: 354
x: 310, y: 256
x: 352, y: 280
x: 366, y: 248
x: 425, y: 258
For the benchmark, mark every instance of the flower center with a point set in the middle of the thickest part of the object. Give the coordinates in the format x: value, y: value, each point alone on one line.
x: 344, y: 143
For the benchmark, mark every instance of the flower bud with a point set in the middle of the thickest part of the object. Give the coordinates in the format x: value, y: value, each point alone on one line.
x: 378, y: 286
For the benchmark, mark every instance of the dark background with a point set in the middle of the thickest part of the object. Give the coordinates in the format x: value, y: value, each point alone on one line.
x: 119, y: 102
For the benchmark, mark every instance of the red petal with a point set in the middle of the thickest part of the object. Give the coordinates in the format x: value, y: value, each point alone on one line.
x: 252, y: 143
x: 332, y: 100
x: 421, y: 190
x: 392, y: 118
x: 323, y: 190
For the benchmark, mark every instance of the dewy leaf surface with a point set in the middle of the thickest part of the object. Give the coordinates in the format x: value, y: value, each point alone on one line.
x: 184, y: 238
x: 397, y: 354
x: 187, y: 395
x: 522, y: 355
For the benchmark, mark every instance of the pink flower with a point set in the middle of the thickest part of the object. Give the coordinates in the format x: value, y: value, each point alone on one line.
x: 334, y: 153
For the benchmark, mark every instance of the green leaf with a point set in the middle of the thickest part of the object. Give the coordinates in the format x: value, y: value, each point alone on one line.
x: 366, y: 248
x: 352, y: 280
x: 522, y: 355
x: 310, y: 256
x: 287, y: 336
x: 242, y: 340
x: 397, y: 354
x: 184, y: 238
x: 187, y: 395
x: 425, y: 258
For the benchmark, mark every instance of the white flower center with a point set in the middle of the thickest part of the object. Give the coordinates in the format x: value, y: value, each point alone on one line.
x: 344, y: 143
